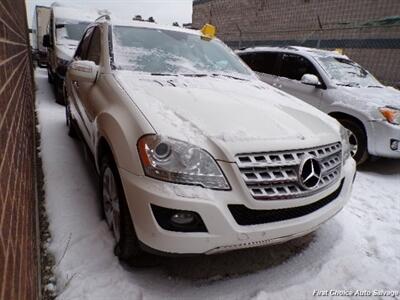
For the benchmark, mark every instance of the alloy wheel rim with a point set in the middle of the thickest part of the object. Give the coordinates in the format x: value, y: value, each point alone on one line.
x: 353, y: 141
x: 111, y: 203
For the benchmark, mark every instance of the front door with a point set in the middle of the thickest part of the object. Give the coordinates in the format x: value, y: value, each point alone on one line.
x: 80, y: 88
x: 291, y: 70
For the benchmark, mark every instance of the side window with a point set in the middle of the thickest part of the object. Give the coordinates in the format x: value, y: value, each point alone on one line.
x: 265, y: 62
x: 248, y: 59
x: 93, y: 53
x: 294, y: 66
x: 81, y: 51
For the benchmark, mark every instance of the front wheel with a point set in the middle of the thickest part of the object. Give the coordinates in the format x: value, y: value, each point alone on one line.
x: 69, y: 122
x: 357, y: 140
x: 117, y: 213
x: 58, y: 90
x: 50, y: 77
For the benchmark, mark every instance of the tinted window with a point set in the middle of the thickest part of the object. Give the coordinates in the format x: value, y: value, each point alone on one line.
x: 295, y: 66
x: 247, y: 58
x: 81, y: 52
x: 263, y: 62
x: 93, y: 53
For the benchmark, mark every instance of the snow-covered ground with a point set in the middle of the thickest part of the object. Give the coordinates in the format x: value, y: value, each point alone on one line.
x: 359, y: 249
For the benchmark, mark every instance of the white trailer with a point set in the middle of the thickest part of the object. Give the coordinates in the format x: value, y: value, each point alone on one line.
x: 40, y: 23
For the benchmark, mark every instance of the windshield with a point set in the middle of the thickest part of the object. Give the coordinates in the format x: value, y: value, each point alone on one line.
x: 70, y: 29
x: 348, y: 73
x: 161, y: 52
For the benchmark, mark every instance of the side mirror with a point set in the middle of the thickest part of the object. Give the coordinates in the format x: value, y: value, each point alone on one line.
x: 83, y: 70
x: 46, y: 41
x: 310, y: 79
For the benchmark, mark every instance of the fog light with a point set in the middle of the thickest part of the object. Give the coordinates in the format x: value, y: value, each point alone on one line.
x: 178, y: 220
x: 394, y: 145
x: 183, y: 218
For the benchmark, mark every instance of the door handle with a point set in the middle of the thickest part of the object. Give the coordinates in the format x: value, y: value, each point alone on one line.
x: 75, y: 83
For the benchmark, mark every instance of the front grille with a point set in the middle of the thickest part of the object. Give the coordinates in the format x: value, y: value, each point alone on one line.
x: 245, y: 216
x: 274, y: 176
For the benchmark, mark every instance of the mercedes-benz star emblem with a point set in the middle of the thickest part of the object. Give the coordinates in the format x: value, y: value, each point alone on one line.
x: 310, y: 172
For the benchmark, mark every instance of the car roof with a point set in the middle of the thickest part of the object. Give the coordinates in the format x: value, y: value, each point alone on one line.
x: 295, y: 50
x: 146, y: 24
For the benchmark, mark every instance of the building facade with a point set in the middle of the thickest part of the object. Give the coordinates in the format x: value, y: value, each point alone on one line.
x: 368, y: 31
x: 18, y: 217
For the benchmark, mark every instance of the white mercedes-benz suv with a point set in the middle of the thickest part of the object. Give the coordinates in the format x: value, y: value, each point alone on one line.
x: 195, y: 154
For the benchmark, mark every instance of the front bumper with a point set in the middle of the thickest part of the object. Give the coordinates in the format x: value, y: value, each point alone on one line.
x: 380, y: 138
x: 224, y: 233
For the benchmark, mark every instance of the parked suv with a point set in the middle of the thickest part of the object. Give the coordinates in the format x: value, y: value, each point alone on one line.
x: 340, y: 87
x: 195, y: 154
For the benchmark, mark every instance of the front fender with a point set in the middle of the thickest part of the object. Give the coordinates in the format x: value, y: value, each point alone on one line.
x: 365, y: 117
x: 122, y: 136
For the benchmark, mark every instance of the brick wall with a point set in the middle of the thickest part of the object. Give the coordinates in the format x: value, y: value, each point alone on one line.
x: 18, y: 251
x: 357, y: 26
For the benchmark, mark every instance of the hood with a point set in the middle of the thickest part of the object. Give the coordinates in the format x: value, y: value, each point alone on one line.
x: 371, y: 97
x: 66, y: 49
x: 228, y: 116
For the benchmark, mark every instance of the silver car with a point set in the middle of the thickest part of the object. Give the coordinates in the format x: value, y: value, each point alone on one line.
x: 338, y: 86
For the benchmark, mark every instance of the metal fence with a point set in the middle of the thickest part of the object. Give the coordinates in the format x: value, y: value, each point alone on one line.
x: 368, y: 31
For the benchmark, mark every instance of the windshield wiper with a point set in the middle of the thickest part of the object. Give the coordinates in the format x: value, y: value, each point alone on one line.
x: 350, y: 84
x: 229, y: 76
x: 375, y: 86
x: 163, y: 74
x: 194, y: 75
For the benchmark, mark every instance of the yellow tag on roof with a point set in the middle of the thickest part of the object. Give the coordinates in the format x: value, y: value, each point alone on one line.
x: 209, y: 31
x: 339, y: 50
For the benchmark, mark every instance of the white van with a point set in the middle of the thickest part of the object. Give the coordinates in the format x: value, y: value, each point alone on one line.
x: 40, y: 23
x: 65, y: 29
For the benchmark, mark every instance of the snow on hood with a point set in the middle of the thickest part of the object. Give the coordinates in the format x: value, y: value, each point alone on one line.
x: 226, y: 113
x: 368, y: 98
x: 66, y: 49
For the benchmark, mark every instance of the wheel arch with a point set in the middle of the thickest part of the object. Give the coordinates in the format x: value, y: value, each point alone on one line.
x: 118, y: 138
x: 103, y: 148
x: 341, y: 115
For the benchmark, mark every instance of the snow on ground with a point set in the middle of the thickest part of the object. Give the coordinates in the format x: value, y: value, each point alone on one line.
x: 359, y: 249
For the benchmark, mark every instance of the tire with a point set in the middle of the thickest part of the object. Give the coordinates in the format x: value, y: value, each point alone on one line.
x: 127, y: 246
x: 69, y: 122
x: 50, y: 77
x: 58, y: 90
x: 358, y: 140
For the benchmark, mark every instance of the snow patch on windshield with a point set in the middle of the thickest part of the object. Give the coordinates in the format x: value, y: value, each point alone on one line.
x: 347, y: 73
x: 153, y: 61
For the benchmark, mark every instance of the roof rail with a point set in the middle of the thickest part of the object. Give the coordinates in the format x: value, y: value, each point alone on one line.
x: 106, y: 17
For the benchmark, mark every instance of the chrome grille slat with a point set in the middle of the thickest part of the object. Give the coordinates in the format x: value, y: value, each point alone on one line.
x: 274, y: 175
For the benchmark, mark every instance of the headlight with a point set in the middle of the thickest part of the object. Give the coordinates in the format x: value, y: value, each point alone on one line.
x: 344, y: 134
x: 175, y: 161
x: 392, y: 115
